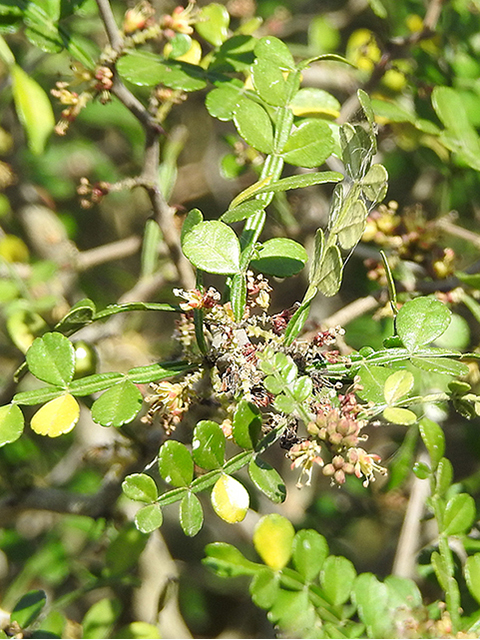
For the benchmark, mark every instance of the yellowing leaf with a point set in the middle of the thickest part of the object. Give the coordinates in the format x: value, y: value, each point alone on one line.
x: 57, y: 417
x: 230, y: 499
x: 399, y: 416
x: 33, y: 108
x: 273, y: 539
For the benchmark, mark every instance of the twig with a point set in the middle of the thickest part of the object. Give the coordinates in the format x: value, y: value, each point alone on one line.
x: 409, y: 541
x: 149, y: 176
x: 108, y: 252
x: 111, y: 28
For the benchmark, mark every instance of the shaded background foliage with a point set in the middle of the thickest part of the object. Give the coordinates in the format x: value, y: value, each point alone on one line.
x: 82, y: 560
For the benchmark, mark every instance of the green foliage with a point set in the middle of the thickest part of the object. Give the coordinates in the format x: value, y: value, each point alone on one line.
x: 242, y: 387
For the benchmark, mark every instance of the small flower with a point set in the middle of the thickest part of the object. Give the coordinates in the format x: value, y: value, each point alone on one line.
x: 181, y: 19
x: 305, y: 454
x: 196, y: 299
x: 365, y: 464
x: 138, y: 18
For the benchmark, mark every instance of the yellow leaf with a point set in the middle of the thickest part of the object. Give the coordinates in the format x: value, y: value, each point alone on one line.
x: 230, y: 499
x: 57, y: 417
x: 273, y: 539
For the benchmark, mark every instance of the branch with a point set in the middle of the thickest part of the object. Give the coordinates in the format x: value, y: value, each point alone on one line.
x: 111, y: 28
x: 149, y: 176
x: 107, y: 252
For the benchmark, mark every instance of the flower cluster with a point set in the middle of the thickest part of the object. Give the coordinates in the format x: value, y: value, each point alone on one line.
x: 92, y: 193
x: 169, y: 401
x: 239, y: 360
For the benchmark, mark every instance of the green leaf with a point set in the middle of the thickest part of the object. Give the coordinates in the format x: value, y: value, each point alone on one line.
x: 311, y: 102
x: 372, y: 379
x: 146, y: 69
x: 310, y: 549
x: 221, y: 102
x: 309, y: 145
x: 472, y: 575
x: 38, y: 396
x: 460, y: 136
x: 422, y: 470
x: 284, y: 404
x: 208, y: 445
x: 273, y: 539
x: 351, y: 224
x: 242, y: 211
x: 227, y: 561
x: 397, y: 385
x: 51, y: 358
x: 125, y: 550
x: 33, y: 109
x: 296, y: 323
x: 269, y: 82
x: 444, y: 476
x: 399, y: 416
x: 100, y: 618
x: 357, y: 150
x: 139, y: 486
x: 375, y: 183
x: 276, y: 52
x: 371, y: 597
x: 235, y: 54
x: 212, y: 247
x: 80, y: 314
x: 230, y: 499
x: 11, y: 423
x: 148, y: 518
x: 420, y: 321
x: 441, y: 570
x: 254, y: 125
x: 28, y: 608
x: 434, y: 440
x: 403, y: 593
x: 175, y: 463
x: 191, y: 514
x: 57, y: 417
x: 280, y: 257
x: 299, y: 182
x: 336, y: 577
x: 330, y: 272
x: 293, y: 611
x: 264, y: 588
x: 154, y: 372
x: 213, y: 23
x: 247, y: 423
x: 267, y: 480
x: 459, y: 515
x: 441, y: 365
x: 194, y: 217
x: 117, y: 406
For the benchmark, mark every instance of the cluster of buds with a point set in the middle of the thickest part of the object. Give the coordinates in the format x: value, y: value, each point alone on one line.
x: 339, y: 431
x: 91, y: 194
x: 181, y: 20
x: 104, y: 84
